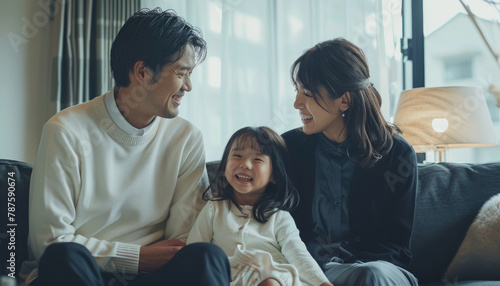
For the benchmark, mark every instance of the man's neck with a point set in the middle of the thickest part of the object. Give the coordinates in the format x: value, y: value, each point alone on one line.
x: 131, y: 106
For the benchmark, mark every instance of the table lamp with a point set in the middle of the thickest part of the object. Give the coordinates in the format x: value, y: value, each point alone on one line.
x: 440, y: 118
x: 495, y: 90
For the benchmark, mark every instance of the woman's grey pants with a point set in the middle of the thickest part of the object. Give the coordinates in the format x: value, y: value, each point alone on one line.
x: 373, y: 273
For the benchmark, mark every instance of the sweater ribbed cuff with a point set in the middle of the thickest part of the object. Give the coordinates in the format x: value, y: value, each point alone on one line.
x: 127, y: 258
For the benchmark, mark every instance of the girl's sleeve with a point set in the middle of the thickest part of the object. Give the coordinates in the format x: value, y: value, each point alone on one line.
x: 202, y: 230
x: 295, y: 250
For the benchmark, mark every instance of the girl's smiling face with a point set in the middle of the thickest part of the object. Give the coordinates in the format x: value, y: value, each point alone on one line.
x: 248, y: 171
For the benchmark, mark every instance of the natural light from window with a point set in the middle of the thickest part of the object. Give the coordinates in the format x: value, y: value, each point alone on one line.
x: 245, y: 79
x: 457, y: 55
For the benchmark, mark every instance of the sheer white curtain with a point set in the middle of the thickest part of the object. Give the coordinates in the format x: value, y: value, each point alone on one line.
x: 245, y: 80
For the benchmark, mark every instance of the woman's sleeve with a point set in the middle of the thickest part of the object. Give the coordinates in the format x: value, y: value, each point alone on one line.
x: 391, y: 242
x: 295, y: 250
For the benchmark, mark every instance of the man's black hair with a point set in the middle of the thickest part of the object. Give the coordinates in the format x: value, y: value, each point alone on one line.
x: 156, y: 37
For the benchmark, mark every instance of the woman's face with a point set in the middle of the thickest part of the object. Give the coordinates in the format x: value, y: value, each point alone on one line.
x: 315, y: 119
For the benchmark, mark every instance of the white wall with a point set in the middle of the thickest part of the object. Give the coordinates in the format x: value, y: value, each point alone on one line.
x: 24, y: 73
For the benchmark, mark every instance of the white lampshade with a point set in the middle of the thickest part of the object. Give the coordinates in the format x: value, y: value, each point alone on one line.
x: 445, y: 117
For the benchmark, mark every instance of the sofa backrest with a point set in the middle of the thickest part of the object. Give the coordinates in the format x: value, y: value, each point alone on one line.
x: 449, y: 196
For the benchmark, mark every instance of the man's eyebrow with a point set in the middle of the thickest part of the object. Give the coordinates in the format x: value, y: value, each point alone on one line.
x: 185, y: 67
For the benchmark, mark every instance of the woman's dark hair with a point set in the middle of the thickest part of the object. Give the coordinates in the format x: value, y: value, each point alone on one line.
x: 156, y: 37
x: 279, y: 196
x: 339, y: 66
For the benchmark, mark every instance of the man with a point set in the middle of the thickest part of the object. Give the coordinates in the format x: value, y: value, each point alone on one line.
x: 118, y: 180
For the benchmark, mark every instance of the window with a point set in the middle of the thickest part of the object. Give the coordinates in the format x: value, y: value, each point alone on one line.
x: 457, y: 54
x: 245, y: 80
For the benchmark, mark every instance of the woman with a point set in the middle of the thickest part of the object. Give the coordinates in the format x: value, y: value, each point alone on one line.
x: 356, y: 177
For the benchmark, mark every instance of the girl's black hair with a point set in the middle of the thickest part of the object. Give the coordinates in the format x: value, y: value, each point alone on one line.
x: 339, y: 66
x: 279, y: 196
x: 156, y: 37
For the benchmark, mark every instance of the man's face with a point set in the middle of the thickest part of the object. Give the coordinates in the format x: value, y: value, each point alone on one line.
x: 165, y: 94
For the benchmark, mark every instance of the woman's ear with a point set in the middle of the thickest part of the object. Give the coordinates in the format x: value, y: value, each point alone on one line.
x: 345, y: 101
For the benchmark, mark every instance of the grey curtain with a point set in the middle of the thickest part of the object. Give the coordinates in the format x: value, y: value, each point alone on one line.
x: 81, y: 36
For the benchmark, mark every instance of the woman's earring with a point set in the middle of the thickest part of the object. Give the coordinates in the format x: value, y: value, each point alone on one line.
x: 343, y: 114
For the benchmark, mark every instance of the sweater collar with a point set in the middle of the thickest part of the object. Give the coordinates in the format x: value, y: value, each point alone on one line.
x: 118, y: 119
x: 106, y: 122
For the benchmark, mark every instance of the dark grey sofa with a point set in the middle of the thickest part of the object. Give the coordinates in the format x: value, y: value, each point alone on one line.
x: 14, y: 216
x: 449, y: 196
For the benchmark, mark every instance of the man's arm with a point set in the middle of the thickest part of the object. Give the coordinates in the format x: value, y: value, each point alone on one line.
x: 192, y: 181
x: 186, y: 204
x: 54, y: 191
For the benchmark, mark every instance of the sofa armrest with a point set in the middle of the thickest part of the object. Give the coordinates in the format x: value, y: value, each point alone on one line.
x: 14, y: 188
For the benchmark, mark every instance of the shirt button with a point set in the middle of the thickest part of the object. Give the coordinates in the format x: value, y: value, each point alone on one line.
x: 336, y: 203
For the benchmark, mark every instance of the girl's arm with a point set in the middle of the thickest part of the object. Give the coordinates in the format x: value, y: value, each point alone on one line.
x: 202, y: 230
x: 295, y: 251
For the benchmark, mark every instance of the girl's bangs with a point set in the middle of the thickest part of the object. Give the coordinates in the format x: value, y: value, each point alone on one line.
x: 257, y: 141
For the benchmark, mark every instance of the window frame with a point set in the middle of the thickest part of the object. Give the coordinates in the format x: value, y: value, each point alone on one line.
x: 412, y: 48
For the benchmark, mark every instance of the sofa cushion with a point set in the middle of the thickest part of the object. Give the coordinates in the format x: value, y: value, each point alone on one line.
x: 449, y: 196
x: 479, y: 254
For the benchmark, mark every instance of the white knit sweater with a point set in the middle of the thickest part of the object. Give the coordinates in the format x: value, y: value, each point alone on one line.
x: 112, y: 192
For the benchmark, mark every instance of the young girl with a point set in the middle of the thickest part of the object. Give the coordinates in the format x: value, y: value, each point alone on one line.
x: 247, y: 214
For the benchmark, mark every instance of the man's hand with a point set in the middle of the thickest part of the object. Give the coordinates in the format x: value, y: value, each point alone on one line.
x: 155, y: 255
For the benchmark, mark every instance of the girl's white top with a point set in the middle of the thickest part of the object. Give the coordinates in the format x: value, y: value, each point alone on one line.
x: 223, y: 224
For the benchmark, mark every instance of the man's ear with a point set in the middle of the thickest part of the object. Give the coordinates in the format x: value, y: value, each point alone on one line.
x: 345, y: 101
x: 140, y: 72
